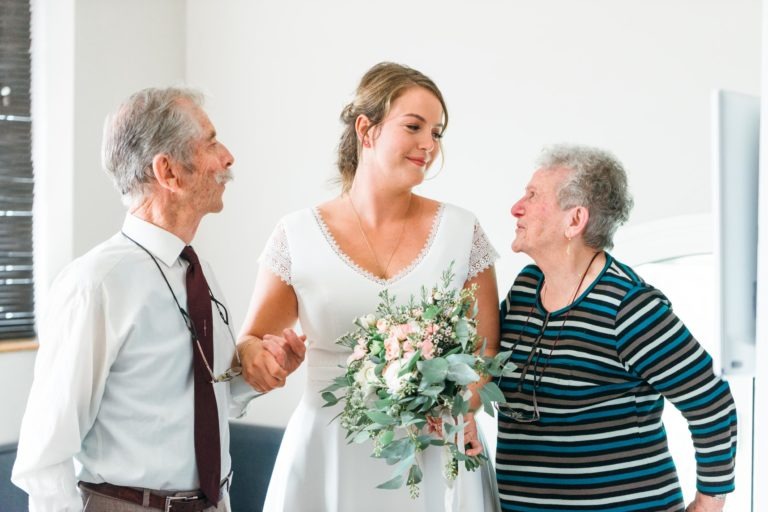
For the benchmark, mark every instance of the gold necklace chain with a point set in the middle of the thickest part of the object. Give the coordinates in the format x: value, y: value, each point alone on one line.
x: 382, y: 271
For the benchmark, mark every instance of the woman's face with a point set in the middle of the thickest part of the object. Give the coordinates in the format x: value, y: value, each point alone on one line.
x: 407, y: 142
x: 541, y: 223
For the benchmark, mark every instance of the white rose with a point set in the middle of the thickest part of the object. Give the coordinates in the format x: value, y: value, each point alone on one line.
x: 394, y: 383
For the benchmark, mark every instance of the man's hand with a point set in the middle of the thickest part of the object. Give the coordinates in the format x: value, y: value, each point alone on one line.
x: 288, y: 350
x: 269, y: 361
x: 704, y: 503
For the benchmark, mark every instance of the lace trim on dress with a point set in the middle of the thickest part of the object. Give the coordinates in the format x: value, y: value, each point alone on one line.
x: 360, y: 270
x: 482, y: 255
x: 277, y: 254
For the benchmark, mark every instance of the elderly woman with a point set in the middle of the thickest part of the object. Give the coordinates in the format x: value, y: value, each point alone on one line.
x: 594, y: 351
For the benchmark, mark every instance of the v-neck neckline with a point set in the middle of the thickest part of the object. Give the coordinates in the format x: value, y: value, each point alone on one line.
x: 367, y: 273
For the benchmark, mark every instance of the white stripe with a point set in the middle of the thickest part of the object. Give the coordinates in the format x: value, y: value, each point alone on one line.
x: 658, y: 340
x: 638, y: 314
x: 721, y: 478
x: 605, y: 298
x: 589, y: 327
x: 594, y: 470
x: 527, y: 289
x: 601, y: 501
x: 718, y: 448
x: 714, y: 417
x: 696, y: 392
x: 680, y: 366
x: 580, y: 356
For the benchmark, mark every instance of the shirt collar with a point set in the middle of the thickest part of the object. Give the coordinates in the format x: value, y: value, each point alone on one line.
x: 161, y: 243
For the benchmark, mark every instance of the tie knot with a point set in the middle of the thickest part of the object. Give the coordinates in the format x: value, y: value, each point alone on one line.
x: 188, y: 253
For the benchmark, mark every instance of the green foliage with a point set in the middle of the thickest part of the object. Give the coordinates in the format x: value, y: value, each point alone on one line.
x: 411, y: 362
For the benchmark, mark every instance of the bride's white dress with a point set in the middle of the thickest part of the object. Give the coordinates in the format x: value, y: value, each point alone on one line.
x: 316, y: 470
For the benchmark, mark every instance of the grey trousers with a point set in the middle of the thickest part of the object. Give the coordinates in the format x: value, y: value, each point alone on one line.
x: 95, y: 502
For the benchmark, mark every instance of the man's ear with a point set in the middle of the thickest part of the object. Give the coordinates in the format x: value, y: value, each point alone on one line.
x: 167, y: 171
x: 577, y: 222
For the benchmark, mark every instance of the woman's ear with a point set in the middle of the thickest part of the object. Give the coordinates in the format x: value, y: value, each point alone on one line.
x: 362, y: 128
x: 577, y: 222
x: 166, y: 171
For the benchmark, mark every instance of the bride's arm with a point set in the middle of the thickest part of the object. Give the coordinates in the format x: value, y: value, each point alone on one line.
x: 487, y: 296
x: 268, y: 347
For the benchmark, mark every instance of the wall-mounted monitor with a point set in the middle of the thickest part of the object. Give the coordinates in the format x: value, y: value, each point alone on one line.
x: 735, y: 153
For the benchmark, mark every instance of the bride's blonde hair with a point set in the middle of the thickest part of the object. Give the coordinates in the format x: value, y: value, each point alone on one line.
x: 379, y: 87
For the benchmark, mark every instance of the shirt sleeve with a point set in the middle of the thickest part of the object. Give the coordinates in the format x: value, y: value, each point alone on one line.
x: 70, y: 374
x: 277, y: 256
x: 656, y: 346
x: 482, y: 255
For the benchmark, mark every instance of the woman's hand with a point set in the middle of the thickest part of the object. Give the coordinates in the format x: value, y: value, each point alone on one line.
x: 704, y: 503
x: 267, y: 362
x: 472, y: 445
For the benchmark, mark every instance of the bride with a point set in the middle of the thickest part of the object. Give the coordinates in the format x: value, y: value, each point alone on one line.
x: 325, y: 266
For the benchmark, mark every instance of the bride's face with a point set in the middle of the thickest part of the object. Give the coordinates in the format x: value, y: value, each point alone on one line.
x: 407, y: 142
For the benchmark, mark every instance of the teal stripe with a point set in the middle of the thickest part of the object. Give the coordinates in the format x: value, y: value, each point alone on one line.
x: 565, y: 481
x: 600, y: 308
x: 668, y: 346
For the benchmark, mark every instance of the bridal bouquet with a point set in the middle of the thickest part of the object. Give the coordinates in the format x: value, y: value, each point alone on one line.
x: 411, y: 364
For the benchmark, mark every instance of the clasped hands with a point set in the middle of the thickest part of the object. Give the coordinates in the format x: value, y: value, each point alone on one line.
x: 268, y: 361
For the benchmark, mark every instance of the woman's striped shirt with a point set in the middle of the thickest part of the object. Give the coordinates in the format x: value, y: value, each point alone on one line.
x: 606, y: 363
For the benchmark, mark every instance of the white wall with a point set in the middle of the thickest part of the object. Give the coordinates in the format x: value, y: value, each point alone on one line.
x: 87, y: 56
x: 633, y: 77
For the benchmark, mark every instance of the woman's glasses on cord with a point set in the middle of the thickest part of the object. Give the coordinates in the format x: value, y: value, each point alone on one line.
x: 533, y: 414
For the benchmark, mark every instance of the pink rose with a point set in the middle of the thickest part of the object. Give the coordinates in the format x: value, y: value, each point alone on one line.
x: 401, y: 331
x: 427, y: 348
x: 392, y: 346
x: 357, y: 354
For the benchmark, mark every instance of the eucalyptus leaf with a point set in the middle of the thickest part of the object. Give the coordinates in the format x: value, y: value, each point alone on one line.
x: 491, y: 393
x: 414, y: 475
x: 330, y: 399
x: 394, y: 483
x: 381, y: 418
x: 462, y: 374
x: 411, y: 363
x: 361, y: 437
x: 386, y: 437
x: 433, y: 371
x: 430, y: 313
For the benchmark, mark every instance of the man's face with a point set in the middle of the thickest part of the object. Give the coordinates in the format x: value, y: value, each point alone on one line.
x: 211, y: 162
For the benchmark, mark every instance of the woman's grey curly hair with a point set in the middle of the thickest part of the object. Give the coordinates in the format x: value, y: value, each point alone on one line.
x: 597, y: 182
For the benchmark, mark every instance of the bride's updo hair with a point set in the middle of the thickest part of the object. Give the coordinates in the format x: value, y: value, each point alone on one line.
x: 379, y: 87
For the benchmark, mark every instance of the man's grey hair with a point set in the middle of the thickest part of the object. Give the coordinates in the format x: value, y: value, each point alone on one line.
x: 598, y: 182
x: 150, y: 122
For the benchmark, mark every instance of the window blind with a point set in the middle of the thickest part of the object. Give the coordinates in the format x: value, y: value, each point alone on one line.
x: 16, y: 177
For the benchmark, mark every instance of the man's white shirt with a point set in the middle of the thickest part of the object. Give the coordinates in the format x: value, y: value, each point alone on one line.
x: 113, y: 386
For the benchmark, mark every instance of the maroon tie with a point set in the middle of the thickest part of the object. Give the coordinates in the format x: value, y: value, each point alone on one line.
x: 207, y: 442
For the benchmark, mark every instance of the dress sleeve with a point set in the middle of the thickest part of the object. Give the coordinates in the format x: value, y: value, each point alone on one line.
x: 482, y: 255
x: 656, y: 346
x: 277, y: 256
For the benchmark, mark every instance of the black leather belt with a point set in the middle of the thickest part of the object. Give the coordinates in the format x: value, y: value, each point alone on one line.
x: 195, y: 503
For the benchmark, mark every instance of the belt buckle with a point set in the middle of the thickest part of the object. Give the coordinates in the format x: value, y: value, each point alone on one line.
x: 170, y: 500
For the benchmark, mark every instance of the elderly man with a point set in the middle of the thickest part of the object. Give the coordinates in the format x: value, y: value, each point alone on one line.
x: 135, y: 375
